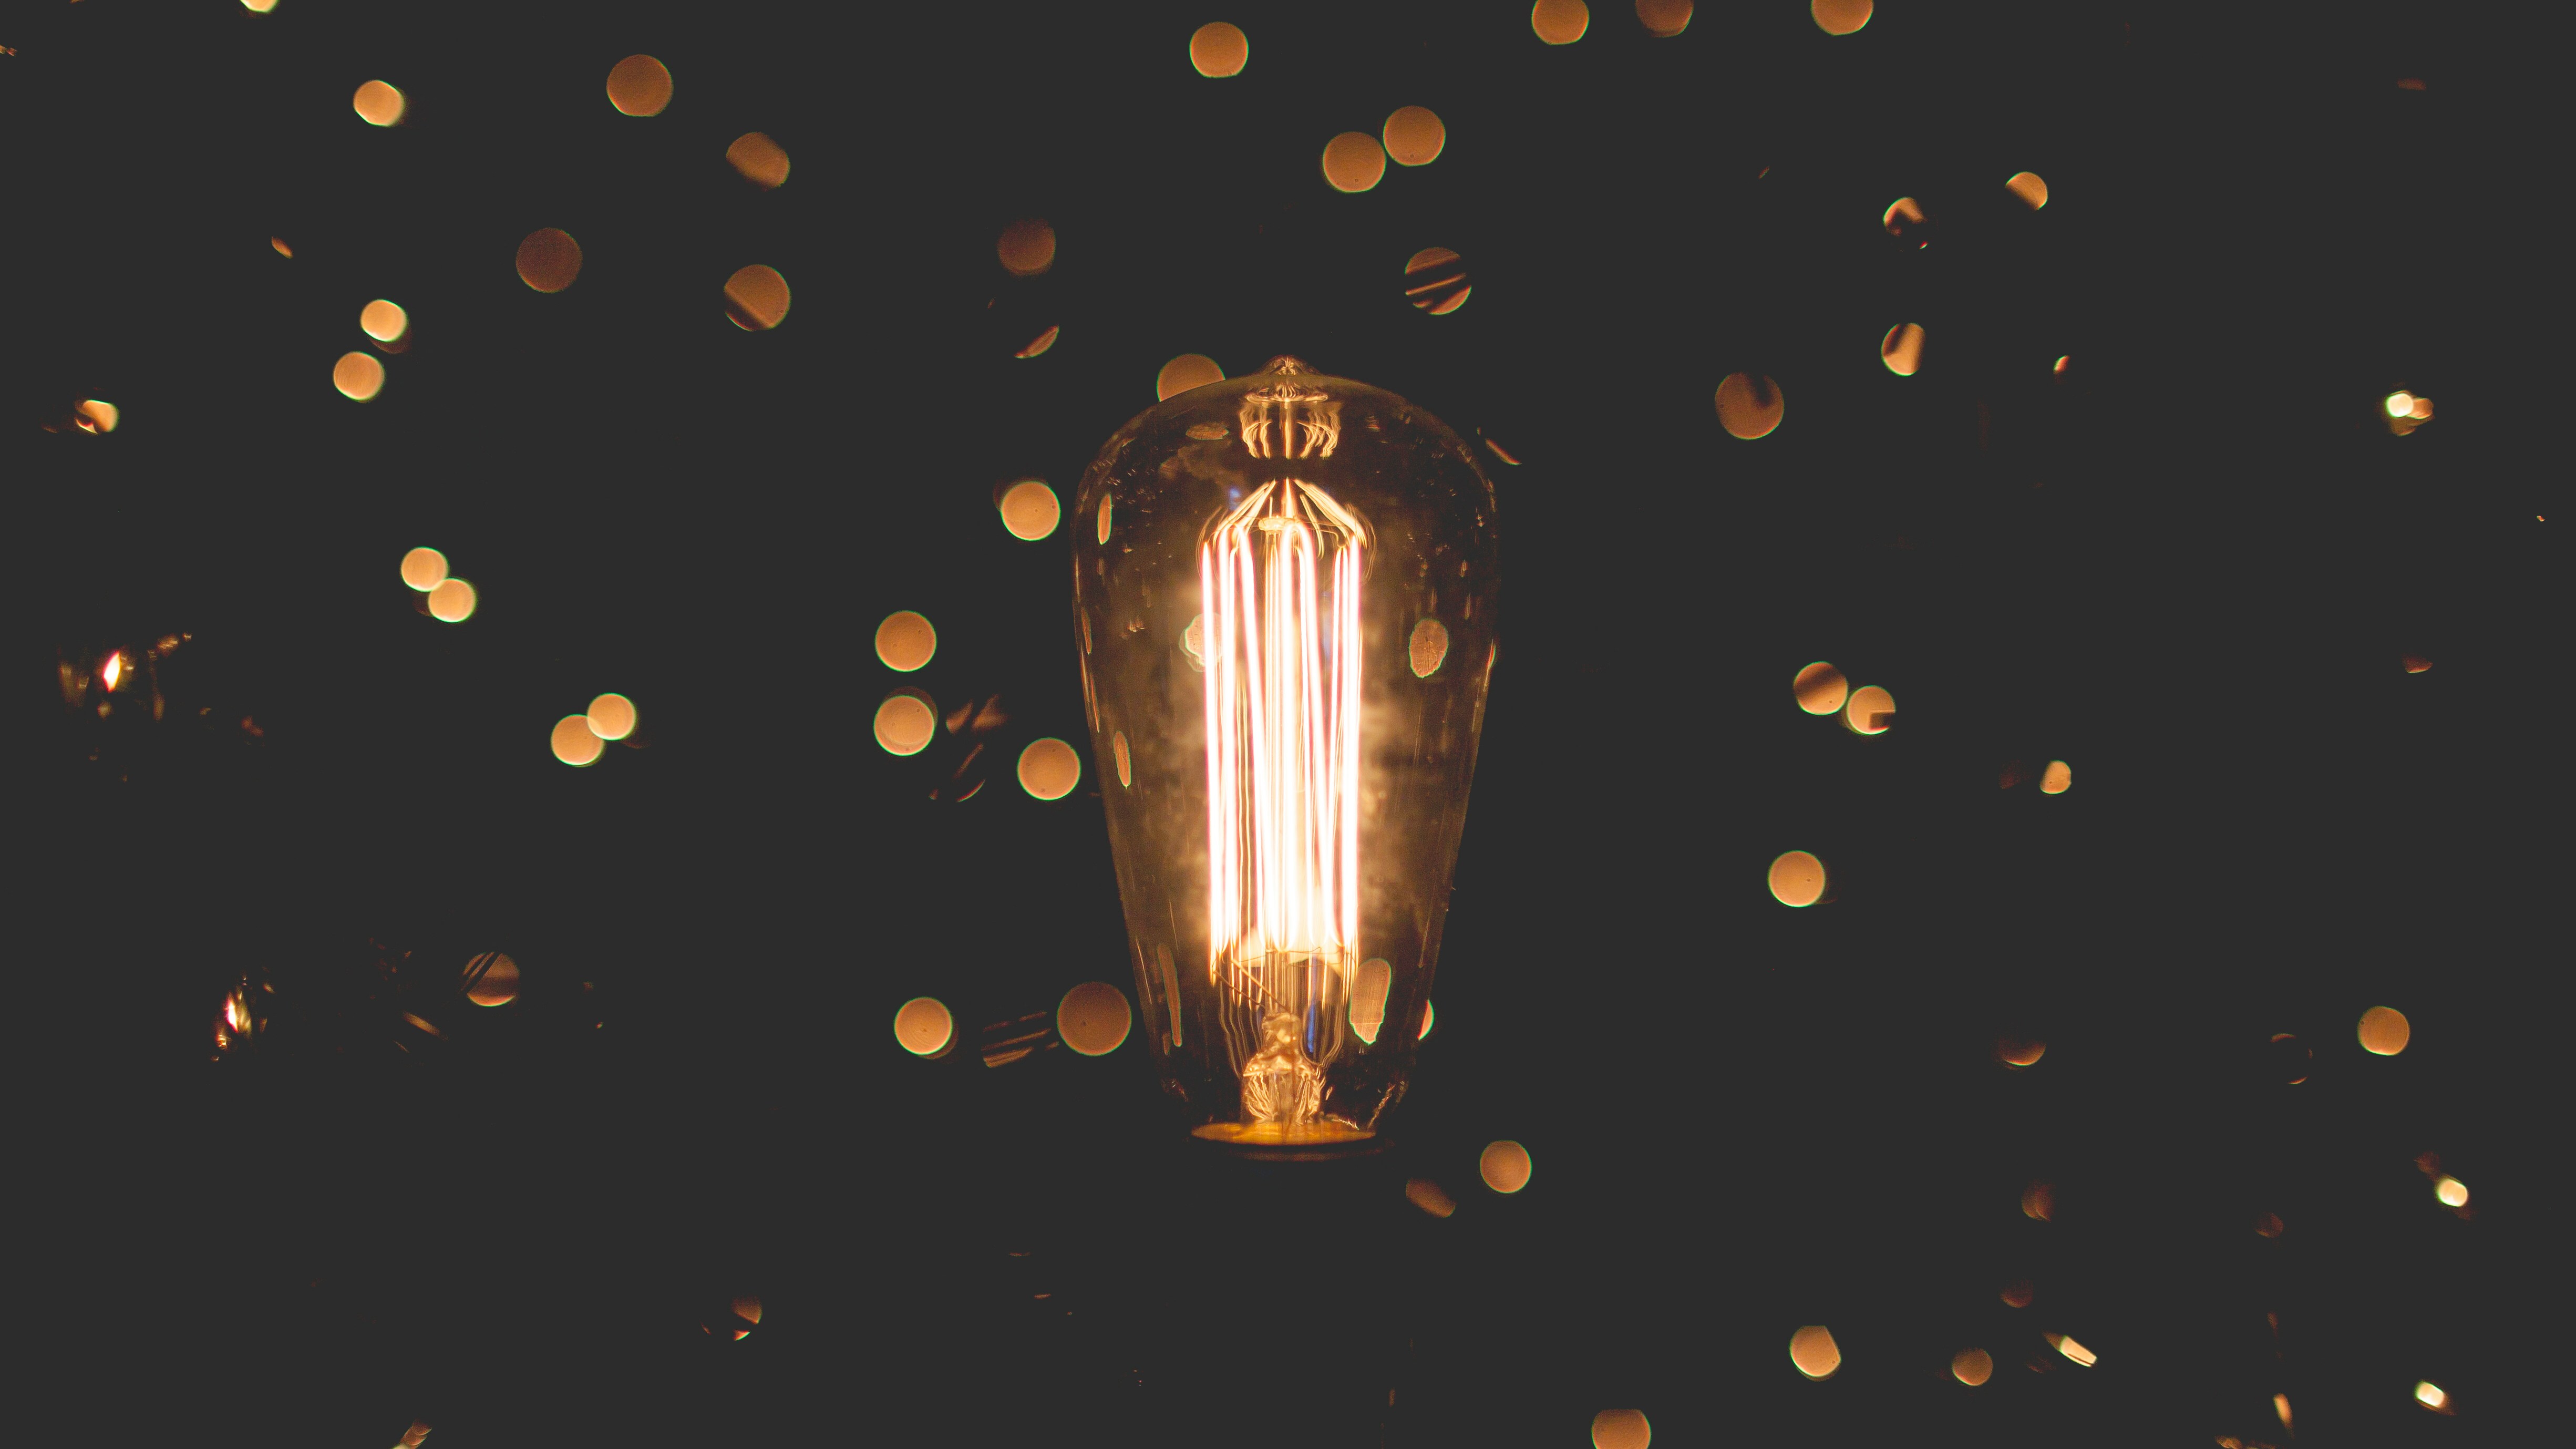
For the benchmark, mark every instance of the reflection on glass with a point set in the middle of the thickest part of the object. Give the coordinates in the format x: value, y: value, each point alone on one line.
x: 1368, y: 998
x: 1428, y: 647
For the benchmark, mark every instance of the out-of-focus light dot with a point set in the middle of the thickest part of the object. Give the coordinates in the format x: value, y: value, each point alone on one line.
x: 746, y: 1310
x: 2399, y: 404
x: 1664, y: 19
x: 1414, y: 136
x: 2267, y: 1225
x: 2451, y: 1192
x: 1621, y: 1429
x: 2384, y: 1031
x: 94, y: 416
x: 756, y: 298
x: 2017, y: 1052
x: 1049, y: 769
x: 574, y: 741
x: 378, y: 104
x: 2058, y: 368
x: 1560, y: 22
x: 758, y: 160
x: 424, y: 569
x: 639, y: 85
x: 1182, y: 373
x: 1426, y: 1020
x: 1218, y: 50
x: 452, y: 602
x: 2422, y: 410
x: 2410, y: 83
x: 1499, y: 451
x: 2430, y: 1395
x: 923, y: 1027
x: 496, y: 979
x: 113, y: 670
x: 1972, y: 1366
x: 1427, y: 1195
x: 278, y: 243
x: 905, y: 723
x: 2039, y: 1202
x: 549, y: 259
x: 1030, y: 510
x: 2075, y: 1352
x: 2057, y: 779
x: 905, y: 641
x: 2016, y: 1294
x: 1428, y: 647
x: 1814, y: 1351
x: 2027, y: 185
x: 1026, y: 247
x: 358, y: 376
x: 1820, y: 688
x: 1750, y: 407
x: 2291, y: 1057
x: 1505, y: 1166
x: 383, y: 320
x: 1869, y: 711
x: 1435, y: 280
x: 1903, y: 215
x: 1094, y: 1018
x: 1354, y: 161
x: 611, y: 716
x: 2281, y: 1406
x: 259, y: 6
x: 1797, y: 878
x: 1839, y: 17
x: 1039, y: 344
x: 1902, y: 349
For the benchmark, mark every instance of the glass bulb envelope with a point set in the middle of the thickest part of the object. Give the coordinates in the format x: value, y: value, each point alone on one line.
x: 1285, y: 590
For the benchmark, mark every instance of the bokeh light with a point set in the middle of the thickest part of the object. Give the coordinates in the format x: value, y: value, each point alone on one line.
x: 1218, y: 50
x: 424, y: 569
x: 549, y: 259
x: 746, y: 1310
x: 2431, y: 1396
x: 1903, y: 217
x: 1179, y: 375
x: 2076, y: 1353
x: 2399, y: 404
x: 2281, y: 1406
x: 2027, y: 185
x: 2016, y: 1294
x: 1621, y: 1429
x: 1902, y: 349
x: 1505, y: 1166
x: 2017, y: 1052
x: 2415, y: 663
x: 905, y: 722
x: 575, y: 743
x: 1049, y: 769
x: 1414, y: 136
x: 1026, y: 247
x: 923, y: 1027
x: 1839, y: 17
x: 1427, y: 1015
x: 358, y: 376
x: 1750, y: 407
x: 1664, y: 19
x: 1820, y: 688
x: 113, y: 671
x: 495, y: 977
x: 94, y: 416
x: 1428, y: 647
x: 1427, y: 1195
x: 2267, y: 1225
x: 639, y: 85
x: 611, y: 716
x: 1814, y: 1351
x: 1094, y: 1018
x: 1560, y: 22
x: 2451, y: 1192
x: 278, y: 244
x: 1354, y: 161
x: 905, y: 641
x: 1972, y: 1366
x: 2385, y: 1031
x: 378, y: 104
x: 2039, y: 1201
x: 1797, y: 878
x: 2057, y: 779
x: 2058, y: 368
x: 1869, y: 711
x: 452, y: 601
x: 2291, y: 1057
x: 1038, y: 345
x: 384, y: 321
x: 1435, y: 280
x: 756, y: 298
x: 758, y: 160
x: 1030, y: 510
x: 261, y: 7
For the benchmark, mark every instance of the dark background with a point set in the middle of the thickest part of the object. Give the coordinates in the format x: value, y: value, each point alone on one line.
x: 2189, y: 567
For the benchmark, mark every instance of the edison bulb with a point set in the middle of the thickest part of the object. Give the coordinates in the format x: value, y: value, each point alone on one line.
x: 1285, y: 766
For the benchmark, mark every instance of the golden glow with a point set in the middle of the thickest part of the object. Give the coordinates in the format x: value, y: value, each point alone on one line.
x: 1368, y: 998
x: 1049, y: 769
x: 1750, y: 407
x: 2281, y: 1406
x: 1029, y: 510
x: 1093, y: 1018
x: 1505, y: 1166
x: 1797, y: 878
x: 452, y: 602
x: 2039, y: 1202
x: 93, y: 416
x: 418, y: 1433
x: 2399, y: 404
x: 1820, y: 688
x: 1664, y: 19
x: 1178, y: 376
x: 2016, y: 1052
x: 2415, y: 663
x: 2430, y: 1395
x: 756, y: 298
x: 905, y: 722
x: 1026, y: 247
x: 113, y: 670
x: 1427, y: 1195
x: 384, y: 321
x: 2451, y: 1192
x: 259, y: 6
x: 1118, y: 747
x: 905, y: 641
x: 758, y: 160
x: 2027, y: 185
x: 1414, y: 136
x: 2057, y: 779
x: 2016, y: 1294
x: 1039, y: 344
x: 549, y: 259
x: 574, y: 742
x: 279, y: 243
x: 1869, y: 711
x: 1621, y: 1429
x: 2075, y: 1352
x: 1436, y: 282
x: 1903, y: 215
x: 611, y: 716
x: 1814, y: 1351
x: 1902, y: 349
x: 2267, y: 1225
x: 1426, y: 1020
x: 1428, y: 647
x: 1280, y: 1134
x: 1972, y: 1366
x: 923, y: 1027
x: 358, y: 376
x: 639, y: 85
x: 1218, y: 50
x: 1105, y: 500
x: 1839, y: 17
x: 1560, y: 22
x: 1354, y: 161
x: 378, y: 104
x: 495, y: 979
x: 2060, y: 367
x: 2384, y: 1031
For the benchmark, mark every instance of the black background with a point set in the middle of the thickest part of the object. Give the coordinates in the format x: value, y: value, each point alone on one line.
x: 2189, y: 567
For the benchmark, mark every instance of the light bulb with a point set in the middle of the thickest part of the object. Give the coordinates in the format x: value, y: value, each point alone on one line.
x: 1285, y: 587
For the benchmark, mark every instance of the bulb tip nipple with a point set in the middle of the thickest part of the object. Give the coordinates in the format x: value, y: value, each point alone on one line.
x: 1284, y: 363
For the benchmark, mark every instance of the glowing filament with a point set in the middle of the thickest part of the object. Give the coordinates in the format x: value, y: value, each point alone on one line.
x: 114, y: 669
